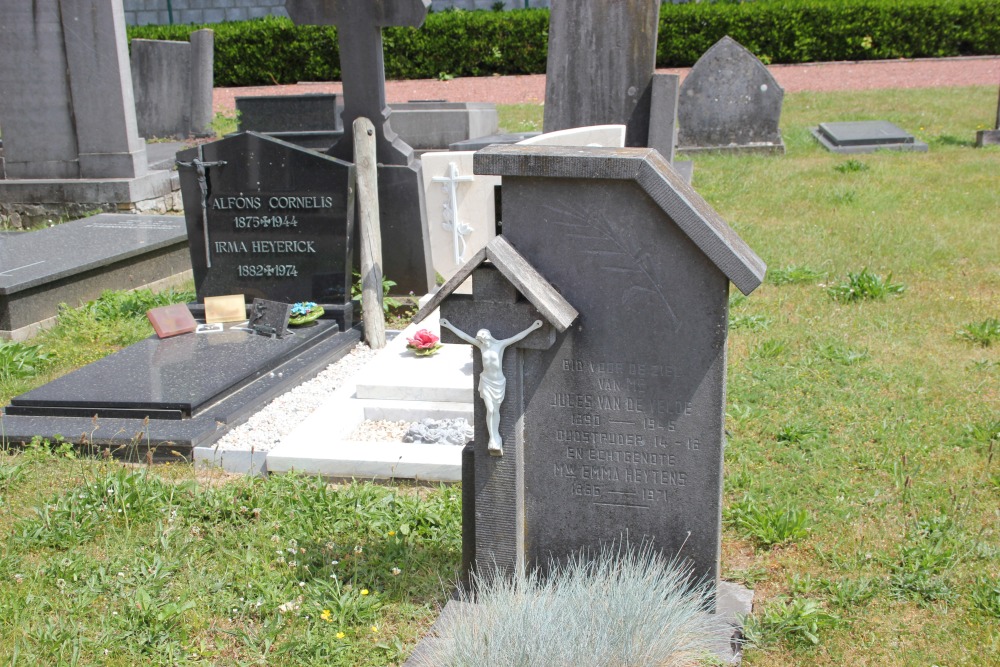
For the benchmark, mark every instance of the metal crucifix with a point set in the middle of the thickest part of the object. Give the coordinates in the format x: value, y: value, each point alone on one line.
x: 201, y: 168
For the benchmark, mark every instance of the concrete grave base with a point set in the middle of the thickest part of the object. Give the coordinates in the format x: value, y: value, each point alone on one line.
x: 26, y: 203
x: 987, y: 138
x: 396, y: 386
x: 733, y: 602
x: 76, y: 261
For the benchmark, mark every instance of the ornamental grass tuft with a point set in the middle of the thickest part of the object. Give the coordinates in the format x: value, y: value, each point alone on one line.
x: 627, y: 607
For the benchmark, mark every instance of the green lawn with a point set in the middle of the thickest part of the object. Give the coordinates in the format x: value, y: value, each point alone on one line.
x: 862, y: 467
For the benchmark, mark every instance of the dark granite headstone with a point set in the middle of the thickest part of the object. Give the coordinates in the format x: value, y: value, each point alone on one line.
x: 270, y: 220
x: 866, y: 136
x: 482, y: 142
x: 612, y: 423
x: 313, y: 112
x: 601, y: 59
x: 729, y: 102
x: 406, y: 256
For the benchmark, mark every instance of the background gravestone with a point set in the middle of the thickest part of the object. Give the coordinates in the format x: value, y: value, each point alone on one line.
x: 66, y: 99
x: 615, y: 427
x: 273, y: 221
x: 405, y: 245
x: 173, y: 85
x: 601, y: 59
x: 729, y: 101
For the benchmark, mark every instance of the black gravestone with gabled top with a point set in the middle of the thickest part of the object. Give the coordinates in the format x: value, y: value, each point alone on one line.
x: 406, y: 250
x: 265, y: 219
x: 614, y: 430
x: 270, y: 220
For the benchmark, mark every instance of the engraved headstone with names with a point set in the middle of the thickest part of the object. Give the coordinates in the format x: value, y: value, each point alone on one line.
x: 613, y: 425
x: 269, y: 220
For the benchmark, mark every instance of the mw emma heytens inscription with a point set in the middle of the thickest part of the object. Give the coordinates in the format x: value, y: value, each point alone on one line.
x: 624, y: 442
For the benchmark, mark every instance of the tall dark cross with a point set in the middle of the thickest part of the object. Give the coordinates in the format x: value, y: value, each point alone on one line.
x: 359, y: 36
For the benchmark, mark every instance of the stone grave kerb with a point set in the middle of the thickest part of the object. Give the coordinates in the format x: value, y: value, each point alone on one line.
x: 359, y: 37
x: 622, y: 416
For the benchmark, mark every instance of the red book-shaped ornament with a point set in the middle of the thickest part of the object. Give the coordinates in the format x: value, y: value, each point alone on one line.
x: 171, y: 320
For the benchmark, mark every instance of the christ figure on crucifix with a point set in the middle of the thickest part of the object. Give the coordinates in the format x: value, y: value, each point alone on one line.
x: 492, y: 383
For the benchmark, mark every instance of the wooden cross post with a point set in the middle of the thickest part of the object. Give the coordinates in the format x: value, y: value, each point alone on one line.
x: 359, y: 37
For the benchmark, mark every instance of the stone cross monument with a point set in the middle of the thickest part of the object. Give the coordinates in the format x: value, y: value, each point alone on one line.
x: 406, y: 249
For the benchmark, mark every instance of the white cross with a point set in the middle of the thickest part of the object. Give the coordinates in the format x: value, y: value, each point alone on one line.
x: 451, y: 222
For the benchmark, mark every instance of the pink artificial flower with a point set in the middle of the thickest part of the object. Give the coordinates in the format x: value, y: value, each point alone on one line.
x: 422, y: 340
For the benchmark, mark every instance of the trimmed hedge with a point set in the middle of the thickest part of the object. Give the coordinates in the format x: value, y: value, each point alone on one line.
x: 481, y: 43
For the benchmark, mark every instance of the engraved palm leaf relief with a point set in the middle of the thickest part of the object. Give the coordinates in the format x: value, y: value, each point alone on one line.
x: 613, y: 252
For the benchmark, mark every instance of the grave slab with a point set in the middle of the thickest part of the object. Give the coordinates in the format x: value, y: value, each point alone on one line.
x: 76, y: 261
x: 169, y: 439
x: 436, y: 125
x: 171, y: 378
x: 866, y: 136
x: 480, y: 143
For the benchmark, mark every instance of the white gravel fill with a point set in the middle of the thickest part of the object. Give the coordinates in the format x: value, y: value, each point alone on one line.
x: 266, y: 428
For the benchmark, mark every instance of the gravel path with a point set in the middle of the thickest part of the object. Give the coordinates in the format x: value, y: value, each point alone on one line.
x: 867, y: 75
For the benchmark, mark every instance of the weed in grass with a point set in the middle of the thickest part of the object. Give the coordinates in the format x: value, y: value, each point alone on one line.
x: 843, y: 196
x: 793, y: 275
x: 851, y: 592
x: 930, y: 550
x: 769, y: 349
x: 864, y: 286
x: 19, y: 361
x: 749, y: 322
x: 749, y: 576
x: 767, y: 526
x: 797, y: 622
x: 982, y: 433
x: 804, y: 585
x: 983, y: 333
x: 851, y: 166
x: 798, y: 433
x: 985, y: 595
x: 624, y: 607
x: 842, y: 354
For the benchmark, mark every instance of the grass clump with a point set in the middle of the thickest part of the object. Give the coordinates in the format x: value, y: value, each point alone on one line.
x: 983, y: 333
x: 798, y: 622
x: 19, y: 360
x: 767, y: 526
x: 864, y: 286
x: 793, y: 275
x: 632, y: 608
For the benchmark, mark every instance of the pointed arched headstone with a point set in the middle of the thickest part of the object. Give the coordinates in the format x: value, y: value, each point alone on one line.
x: 729, y: 101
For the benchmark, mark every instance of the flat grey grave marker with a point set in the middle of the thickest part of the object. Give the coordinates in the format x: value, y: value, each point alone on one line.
x: 865, y: 137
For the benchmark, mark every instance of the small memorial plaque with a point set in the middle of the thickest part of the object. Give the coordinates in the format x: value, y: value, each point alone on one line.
x: 268, y: 220
x: 269, y: 318
x: 171, y: 320
x: 220, y: 309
